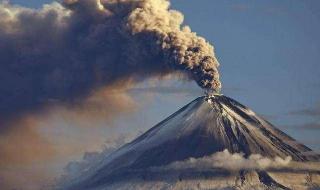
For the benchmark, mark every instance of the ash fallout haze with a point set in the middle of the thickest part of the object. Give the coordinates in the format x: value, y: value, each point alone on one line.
x: 82, y: 80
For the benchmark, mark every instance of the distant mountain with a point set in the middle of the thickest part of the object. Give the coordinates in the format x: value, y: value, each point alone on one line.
x: 206, y: 126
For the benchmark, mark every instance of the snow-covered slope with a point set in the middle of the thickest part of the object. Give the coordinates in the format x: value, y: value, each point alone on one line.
x: 207, y: 125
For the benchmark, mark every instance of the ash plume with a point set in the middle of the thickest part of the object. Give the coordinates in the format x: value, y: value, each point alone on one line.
x: 66, y: 51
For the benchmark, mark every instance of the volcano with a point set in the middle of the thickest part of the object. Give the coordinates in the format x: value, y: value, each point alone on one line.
x: 207, y: 125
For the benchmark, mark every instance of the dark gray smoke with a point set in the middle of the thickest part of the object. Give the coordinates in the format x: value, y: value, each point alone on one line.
x: 66, y: 51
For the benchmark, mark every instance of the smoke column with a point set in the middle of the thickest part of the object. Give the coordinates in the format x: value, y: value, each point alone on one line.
x: 81, y: 55
x: 66, y: 51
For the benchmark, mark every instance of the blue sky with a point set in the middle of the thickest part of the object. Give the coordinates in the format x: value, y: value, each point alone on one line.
x: 269, y: 55
x: 269, y: 50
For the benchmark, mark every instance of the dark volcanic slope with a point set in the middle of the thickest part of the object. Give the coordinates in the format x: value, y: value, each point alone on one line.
x: 203, y: 127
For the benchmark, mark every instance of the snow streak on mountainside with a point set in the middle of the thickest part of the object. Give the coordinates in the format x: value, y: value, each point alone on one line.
x: 207, y: 125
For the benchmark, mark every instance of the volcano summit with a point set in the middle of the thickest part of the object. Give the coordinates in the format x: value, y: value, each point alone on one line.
x: 209, y: 125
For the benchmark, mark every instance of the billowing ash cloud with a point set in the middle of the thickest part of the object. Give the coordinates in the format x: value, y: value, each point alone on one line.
x: 66, y: 51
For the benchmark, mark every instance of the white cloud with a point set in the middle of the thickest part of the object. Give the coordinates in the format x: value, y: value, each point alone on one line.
x: 230, y: 161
